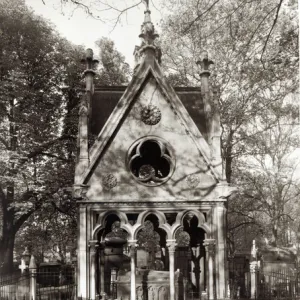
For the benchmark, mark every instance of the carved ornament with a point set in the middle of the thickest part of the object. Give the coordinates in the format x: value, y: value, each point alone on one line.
x: 80, y: 191
x: 150, y: 161
x: 193, y: 180
x: 109, y: 182
x: 150, y: 115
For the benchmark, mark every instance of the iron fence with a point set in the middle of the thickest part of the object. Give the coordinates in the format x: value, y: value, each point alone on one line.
x: 58, y: 284
x: 278, y: 285
x: 14, y: 286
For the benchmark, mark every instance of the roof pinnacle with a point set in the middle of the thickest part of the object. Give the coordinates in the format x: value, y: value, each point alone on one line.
x: 148, y: 33
x: 147, y: 50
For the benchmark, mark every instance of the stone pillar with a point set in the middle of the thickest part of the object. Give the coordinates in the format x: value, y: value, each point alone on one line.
x: 113, y: 283
x: 220, y: 215
x: 198, y: 269
x: 93, y: 245
x: 84, y: 112
x: 253, y: 279
x: 210, y: 253
x: 171, y: 244
x: 202, y: 274
x: 204, y: 64
x: 82, y: 262
x: 132, y: 246
x: 101, y: 270
x: 32, y: 284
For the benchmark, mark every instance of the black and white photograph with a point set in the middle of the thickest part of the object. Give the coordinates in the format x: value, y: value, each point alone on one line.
x: 149, y: 150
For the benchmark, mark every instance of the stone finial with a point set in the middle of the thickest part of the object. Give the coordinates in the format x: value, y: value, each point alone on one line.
x: 89, y: 73
x: 89, y: 54
x: 32, y: 264
x: 204, y: 62
x: 89, y: 60
x: 148, y: 33
x: 253, y: 250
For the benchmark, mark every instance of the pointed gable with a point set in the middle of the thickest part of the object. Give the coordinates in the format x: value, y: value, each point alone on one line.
x: 105, y: 99
x: 151, y: 141
x: 193, y: 175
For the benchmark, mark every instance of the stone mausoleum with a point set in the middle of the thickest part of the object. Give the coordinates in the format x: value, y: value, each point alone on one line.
x: 151, y: 189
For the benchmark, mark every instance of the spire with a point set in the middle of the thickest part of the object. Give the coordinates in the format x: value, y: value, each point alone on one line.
x: 148, y: 35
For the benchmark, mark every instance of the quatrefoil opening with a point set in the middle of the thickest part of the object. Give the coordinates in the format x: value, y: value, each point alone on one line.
x: 150, y: 161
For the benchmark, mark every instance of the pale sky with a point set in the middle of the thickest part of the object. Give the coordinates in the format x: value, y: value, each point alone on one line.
x: 79, y: 28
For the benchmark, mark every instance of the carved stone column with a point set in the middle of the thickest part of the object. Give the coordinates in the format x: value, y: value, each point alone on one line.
x: 202, y: 274
x: 101, y: 270
x: 132, y: 246
x: 253, y: 279
x: 171, y: 244
x: 209, y: 245
x: 93, y: 245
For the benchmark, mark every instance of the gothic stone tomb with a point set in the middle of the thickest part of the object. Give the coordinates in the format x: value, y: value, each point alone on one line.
x: 150, y: 189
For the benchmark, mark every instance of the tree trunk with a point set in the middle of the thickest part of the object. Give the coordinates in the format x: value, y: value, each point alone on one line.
x: 228, y: 156
x: 275, y: 234
x: 7, y: 243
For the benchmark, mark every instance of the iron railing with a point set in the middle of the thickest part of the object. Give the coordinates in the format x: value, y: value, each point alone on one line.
x: 14, y: 286
x: 58, y: 284
x: 278, y: 285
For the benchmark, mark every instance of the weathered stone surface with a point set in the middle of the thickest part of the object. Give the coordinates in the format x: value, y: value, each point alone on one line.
x: 170, y: 128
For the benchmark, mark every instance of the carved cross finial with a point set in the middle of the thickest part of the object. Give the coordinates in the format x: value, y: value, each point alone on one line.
x: 23, y: 266
x: 204, y: 61
x: 88, y: 60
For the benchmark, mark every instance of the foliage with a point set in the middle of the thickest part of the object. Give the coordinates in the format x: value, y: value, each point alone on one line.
x: 255, y: 48
x: 38, y: 91
x: 113, y: 70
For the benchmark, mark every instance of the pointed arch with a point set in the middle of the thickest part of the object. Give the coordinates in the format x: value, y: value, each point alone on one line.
x: 162, y: 220
x: 180, y: 217
x: 101, y: 221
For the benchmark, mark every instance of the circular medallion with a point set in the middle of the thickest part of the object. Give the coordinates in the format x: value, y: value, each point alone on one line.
x: 150, y: 114
x: 192, y: 180
x: 109, y: 182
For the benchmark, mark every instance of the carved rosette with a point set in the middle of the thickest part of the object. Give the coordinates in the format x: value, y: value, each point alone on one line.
x: 109, y: 182
x: 192, y: 180
x: 150, y: 115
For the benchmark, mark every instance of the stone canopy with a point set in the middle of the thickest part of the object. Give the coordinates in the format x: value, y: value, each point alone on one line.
x: 150, y: 186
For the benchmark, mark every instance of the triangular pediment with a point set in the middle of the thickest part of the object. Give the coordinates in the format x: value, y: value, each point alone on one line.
x: 149, y: 86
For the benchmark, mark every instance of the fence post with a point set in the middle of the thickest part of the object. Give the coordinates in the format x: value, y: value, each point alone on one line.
x: 32, y: 273
x: 253, y: 279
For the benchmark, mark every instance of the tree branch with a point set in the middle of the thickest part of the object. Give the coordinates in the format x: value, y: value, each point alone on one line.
x: 273, y: 25
x: 198, y: 17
